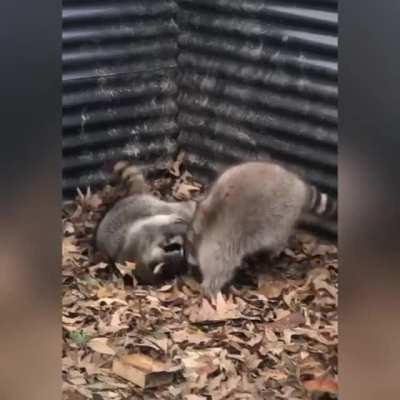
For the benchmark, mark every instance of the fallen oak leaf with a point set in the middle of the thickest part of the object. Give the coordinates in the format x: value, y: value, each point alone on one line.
x: 333, y: 292
x: 175, y: 168
x: 72, y: 395
x: 106, y: 300
x: 194, y: 397
x: 70, y: 251
x: 223, y: 311
x: 104, y: 292
x: 184, y: 191
x: 143, y: 371
x: 273, y: 374
x: 322, y: 385
x: 271, y: 289
x: 226, y: 388
x: 289, y: 322
x: 325, y: 249
x: 68, y: 227
x: 200, y: 362
x: 101, y: 265
x: 126, y: 269
x: 270, y: 335
x: 69, y: 321
x: 89, y: 200
x: 189, y: 336
x: 100, y: 345
x: 312, y: 334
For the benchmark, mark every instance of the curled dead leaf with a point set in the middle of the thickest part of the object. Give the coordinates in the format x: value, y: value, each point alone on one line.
x: 143, y: 371
x: 184, y: 191
x: 224, y: 310
x: 190, y: 336
x: 175, y: 168
x: 323, y: 385
x: 126, y: 269
x: 289, y: 322
x: 271, y: 289
x: 100, y: 345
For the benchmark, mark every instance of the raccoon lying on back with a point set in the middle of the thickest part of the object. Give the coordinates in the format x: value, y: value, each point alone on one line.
x: 140, y: 227
x: 251, y: 207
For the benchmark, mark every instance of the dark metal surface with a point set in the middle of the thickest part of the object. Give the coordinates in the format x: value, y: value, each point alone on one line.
x: 119, y: 87
x: 258, y: 79
x: 235, y: 79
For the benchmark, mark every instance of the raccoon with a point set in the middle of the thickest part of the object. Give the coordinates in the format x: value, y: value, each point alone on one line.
x: 143, y: 228
x: 252, y: 207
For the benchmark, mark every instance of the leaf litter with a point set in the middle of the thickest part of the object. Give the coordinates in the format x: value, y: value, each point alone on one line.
x: 273, y: 336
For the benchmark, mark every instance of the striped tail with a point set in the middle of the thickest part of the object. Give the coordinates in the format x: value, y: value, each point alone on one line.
x: 321, y: 204
x: 133, y: 177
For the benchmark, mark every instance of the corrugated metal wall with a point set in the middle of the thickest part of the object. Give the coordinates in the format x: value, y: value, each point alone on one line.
x: 119, y: 86
x: 259, y: 78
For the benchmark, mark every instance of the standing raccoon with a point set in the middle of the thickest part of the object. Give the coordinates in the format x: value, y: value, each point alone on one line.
x: 252, y: 207
x: 142, y: 228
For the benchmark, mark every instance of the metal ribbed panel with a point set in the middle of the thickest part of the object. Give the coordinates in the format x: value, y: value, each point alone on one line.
x: 259, y: 79
x: 119, y: 87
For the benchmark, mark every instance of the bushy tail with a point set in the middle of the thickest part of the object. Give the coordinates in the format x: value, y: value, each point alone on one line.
x: 132, y: 176
x: 321, y: 204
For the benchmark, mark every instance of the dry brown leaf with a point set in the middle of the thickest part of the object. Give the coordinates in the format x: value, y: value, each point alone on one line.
x: 274, y: 374
x: 200, y: 363
x: 161, y: 342
x: 68, y: 227
x: 89, y: 200
x: 271, y: 288
x: 325, y: 249
x: 73, y: 395
x: 143, y: 371
x: 100, y: 345
x: 312, y: 334
x: 106, y: 300
x: 289, y: 322
x: 99, y: 266
x: 226, y: 388
x: 191, y: 337
x: 224, y: 310
x: 323, y: 385
x: 185, y: 191
x: 175, y: 168
x: 194, y: 397
x: 271, y: 358
x: 126, y: 269
x: 270, y: 335
x: 70, y: 250
x: 104, y: 292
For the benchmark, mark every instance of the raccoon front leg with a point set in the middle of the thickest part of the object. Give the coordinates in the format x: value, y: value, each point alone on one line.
x: 217, y: 267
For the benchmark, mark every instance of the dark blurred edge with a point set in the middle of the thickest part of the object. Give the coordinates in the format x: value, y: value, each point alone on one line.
x: 30, y: 173
x: 369, y: 65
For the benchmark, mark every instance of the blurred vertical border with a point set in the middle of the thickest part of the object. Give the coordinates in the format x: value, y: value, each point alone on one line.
x: 30, y: 200
x: 369, y: 185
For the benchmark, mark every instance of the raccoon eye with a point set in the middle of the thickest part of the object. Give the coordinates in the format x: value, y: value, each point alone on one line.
x: 172, y: 247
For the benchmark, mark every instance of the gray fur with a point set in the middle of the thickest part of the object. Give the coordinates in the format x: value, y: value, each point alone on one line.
x: 139, y: 227
x: 251, y: 207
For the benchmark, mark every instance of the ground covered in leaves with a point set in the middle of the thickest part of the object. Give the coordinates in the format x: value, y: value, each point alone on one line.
x: 273, y: 335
